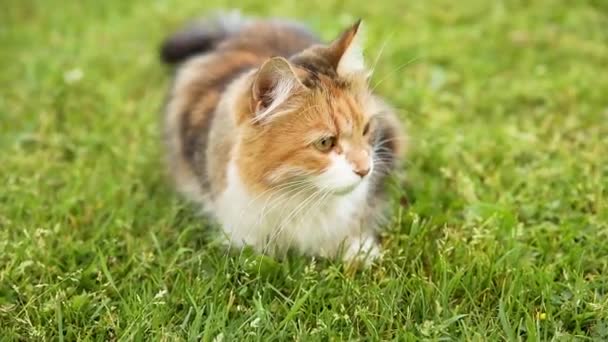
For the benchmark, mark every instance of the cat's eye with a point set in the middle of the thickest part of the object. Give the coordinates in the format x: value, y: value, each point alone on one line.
x: 366, y: 129
x: 325, y: 144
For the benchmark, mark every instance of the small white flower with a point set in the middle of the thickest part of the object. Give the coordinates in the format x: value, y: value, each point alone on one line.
x: 160, y: 294
x: 73, y: 76
x: 219, y: 338
x: 255, y: 323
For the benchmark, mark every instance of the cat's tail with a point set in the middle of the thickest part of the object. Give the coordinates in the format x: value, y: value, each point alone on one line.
x: 200, y: 36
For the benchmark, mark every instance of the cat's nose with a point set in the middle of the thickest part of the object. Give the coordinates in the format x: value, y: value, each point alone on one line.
x: 359, y: 161
x: 362, y: 172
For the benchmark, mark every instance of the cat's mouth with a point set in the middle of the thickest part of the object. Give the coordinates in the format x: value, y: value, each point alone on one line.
x: 340, y: 186
x: 344, y: 190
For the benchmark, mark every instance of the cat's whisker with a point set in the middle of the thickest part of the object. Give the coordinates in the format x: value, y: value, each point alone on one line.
x: 380, y: 162
x: 384, y: 154
x: 377, y: 59
x: 275, y: 200
x: 280, y: 200
x: 383, y: 160
x: 287, y: 219
x: 382, y: 165
x: 393, y: 138
x: 266, y: 244
x: 316, y: 202
x: 384, y: 150
x: 292, y: 186
x: 294, y: 191
x: 399, y: 68
x: 315, y: 206
x: 302, y: 205
x: 277, y: 189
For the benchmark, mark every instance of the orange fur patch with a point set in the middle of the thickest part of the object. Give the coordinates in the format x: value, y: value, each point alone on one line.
x: 286, y: 142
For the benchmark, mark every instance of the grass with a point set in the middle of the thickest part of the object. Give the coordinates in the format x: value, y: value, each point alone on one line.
x: 505, y: 236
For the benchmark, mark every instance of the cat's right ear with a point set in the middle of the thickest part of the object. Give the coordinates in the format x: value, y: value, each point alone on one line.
x: 274, y: 83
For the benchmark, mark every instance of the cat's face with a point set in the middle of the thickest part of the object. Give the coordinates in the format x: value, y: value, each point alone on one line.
x: 312, y: 121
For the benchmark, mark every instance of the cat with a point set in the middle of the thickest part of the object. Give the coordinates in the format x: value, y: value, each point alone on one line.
x: 278, y: 137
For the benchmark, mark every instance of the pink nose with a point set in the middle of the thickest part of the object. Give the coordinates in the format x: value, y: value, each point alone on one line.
x: 359, y: 159
x: 362, y: 172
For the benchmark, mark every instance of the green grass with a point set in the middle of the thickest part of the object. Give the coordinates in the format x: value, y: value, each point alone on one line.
x: 505, y: 237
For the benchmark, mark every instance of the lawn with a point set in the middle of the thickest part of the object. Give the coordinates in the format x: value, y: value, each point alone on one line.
x: 504, y: 234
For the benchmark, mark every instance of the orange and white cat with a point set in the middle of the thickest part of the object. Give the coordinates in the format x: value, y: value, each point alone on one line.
x: 278, y: 137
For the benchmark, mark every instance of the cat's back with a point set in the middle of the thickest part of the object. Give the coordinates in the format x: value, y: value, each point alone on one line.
x: 210, y: 55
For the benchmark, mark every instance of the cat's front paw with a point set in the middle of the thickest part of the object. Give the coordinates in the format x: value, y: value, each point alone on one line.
x: 364, y: 250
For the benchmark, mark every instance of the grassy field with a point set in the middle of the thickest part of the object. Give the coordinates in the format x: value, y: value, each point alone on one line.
x: 505, y: 236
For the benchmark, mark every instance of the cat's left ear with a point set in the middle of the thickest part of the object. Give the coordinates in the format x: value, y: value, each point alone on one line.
x: 274, y: 83
x: 346, y: 52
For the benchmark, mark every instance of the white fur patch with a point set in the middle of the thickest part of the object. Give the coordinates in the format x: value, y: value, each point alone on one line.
x: 364, y: 248
x: 339, y: 176
x: 313, y: 222
x: 279, y: 95
x: 352, y: 61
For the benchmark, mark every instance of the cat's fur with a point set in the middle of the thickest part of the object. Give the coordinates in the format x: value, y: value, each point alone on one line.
x: 252, y: 109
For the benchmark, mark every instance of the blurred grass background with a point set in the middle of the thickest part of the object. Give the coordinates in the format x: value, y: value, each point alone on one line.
x: 505, y: 236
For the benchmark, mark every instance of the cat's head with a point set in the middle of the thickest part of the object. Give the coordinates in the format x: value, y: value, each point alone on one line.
x: 309, y: 119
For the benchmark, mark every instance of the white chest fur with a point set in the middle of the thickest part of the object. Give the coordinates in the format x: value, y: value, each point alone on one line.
x: 314, y: 224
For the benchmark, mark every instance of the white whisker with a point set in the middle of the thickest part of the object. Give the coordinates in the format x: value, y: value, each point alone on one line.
x: 395, y: 70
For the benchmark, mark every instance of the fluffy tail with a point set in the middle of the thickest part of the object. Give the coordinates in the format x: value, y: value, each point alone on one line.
x: 200, y: 36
